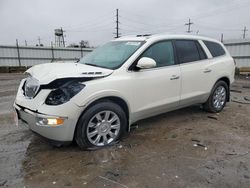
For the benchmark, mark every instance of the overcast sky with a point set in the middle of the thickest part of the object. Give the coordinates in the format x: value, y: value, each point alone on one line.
x: 94, y: 20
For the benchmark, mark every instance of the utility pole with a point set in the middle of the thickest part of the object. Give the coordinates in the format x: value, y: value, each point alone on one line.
x: 244, y: 32
x: 189, y: 25
x: 222, y: 37
x: 117, y: 34
x: 26, y: 44
x: 18, y: 53
x: 52, y: 52
x: 39, y: 41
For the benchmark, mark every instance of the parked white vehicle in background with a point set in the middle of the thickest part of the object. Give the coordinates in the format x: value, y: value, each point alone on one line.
x: 96, y: 100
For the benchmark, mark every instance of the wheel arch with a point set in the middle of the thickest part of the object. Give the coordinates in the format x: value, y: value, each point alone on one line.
x: 227, y: 81
x: 117, y: 100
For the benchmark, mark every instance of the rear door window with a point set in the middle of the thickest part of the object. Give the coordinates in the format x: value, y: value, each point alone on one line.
x: 189, y: 51
x: 214, y: 48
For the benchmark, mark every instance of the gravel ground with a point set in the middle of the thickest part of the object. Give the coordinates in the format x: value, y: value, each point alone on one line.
x: 184, y: 148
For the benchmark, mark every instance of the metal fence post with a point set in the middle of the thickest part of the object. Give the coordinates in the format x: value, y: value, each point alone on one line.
x: 81, y: 52
x: 18, y: 53
x: 52, y: 52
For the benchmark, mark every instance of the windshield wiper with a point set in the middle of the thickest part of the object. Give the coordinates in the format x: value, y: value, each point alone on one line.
x: 91, y: 64
x: 94, y: 65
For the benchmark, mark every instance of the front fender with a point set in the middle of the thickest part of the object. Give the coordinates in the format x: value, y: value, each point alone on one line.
x: 84, y: 101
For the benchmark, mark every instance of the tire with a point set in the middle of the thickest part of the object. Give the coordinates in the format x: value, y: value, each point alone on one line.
x: 106, y: 118
x: 211, y: 105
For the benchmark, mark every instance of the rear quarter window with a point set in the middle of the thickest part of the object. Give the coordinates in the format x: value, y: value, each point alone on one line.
x: 215, y: 49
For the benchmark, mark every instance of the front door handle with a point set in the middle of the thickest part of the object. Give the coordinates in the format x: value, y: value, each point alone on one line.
x: 207, y: 70
x: 174, y: 77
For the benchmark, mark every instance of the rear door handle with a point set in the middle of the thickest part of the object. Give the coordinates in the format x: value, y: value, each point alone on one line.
x: 207, y: 70
x: 174, y: 77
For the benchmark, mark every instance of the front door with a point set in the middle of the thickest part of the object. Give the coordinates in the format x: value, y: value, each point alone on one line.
x: 156, y: 90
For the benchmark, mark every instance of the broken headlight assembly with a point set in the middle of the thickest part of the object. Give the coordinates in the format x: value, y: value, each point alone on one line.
x: 31, y: 87
x: 64, y: 93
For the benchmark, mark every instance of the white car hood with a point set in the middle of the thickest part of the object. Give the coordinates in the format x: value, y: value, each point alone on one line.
x: 45, y: 73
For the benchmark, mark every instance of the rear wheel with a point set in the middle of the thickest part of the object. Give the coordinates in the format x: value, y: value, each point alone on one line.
x: 101, y: 125
x: 218, y: 97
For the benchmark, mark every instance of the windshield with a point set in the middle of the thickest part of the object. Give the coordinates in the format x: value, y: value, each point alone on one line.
x: 111, y: 55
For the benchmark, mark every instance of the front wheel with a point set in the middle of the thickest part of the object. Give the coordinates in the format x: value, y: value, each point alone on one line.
x: 101, y: 125
x: 218, y: 97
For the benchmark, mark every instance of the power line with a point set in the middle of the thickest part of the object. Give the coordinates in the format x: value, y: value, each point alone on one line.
x: 155, y: 30
x: 93, y: 24
x: 189, y: 25
x: 136, y: 24
x: 142, y: 25
x: 221, y: 10
x: 157, y: 20
x: 205, y: 14
x: 94, y: 28
x: 214, y: 27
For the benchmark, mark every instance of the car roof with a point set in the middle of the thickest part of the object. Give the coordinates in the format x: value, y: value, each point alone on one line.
x: 157, y: 37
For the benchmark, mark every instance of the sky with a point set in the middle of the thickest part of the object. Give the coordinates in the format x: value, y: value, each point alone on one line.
x: 94, y: 20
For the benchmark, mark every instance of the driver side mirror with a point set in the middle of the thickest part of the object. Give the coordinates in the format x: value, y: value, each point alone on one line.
x: 146, y: 63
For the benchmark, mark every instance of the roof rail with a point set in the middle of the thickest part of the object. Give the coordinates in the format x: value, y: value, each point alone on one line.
x: 144, y: 35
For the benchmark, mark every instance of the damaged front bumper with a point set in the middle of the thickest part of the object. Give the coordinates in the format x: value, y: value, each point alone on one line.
x: 56, y: 128
x: 54, y: 122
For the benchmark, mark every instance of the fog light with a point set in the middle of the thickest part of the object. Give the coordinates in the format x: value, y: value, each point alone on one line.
x: 53, y: 122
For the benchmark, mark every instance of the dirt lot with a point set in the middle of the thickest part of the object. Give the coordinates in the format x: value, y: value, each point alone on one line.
x: 184, y: 148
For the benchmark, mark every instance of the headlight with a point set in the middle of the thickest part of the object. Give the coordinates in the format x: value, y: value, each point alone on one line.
x: 51, y: 122
x: 64, y: 93
x: 31, y: 87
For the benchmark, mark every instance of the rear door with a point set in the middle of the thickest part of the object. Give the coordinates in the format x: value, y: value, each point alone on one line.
x: 195, y: 71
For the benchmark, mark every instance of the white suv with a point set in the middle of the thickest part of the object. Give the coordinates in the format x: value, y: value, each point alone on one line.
x: 96, y: 100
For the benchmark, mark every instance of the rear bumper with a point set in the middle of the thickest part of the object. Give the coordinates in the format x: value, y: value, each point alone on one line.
x: 62, y: 133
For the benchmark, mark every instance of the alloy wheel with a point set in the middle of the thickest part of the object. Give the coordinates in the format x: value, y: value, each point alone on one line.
x: 103, y: 128
x: 219, y: 97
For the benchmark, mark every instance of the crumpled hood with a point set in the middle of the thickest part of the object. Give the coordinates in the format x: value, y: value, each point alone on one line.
x: 45, y: 73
